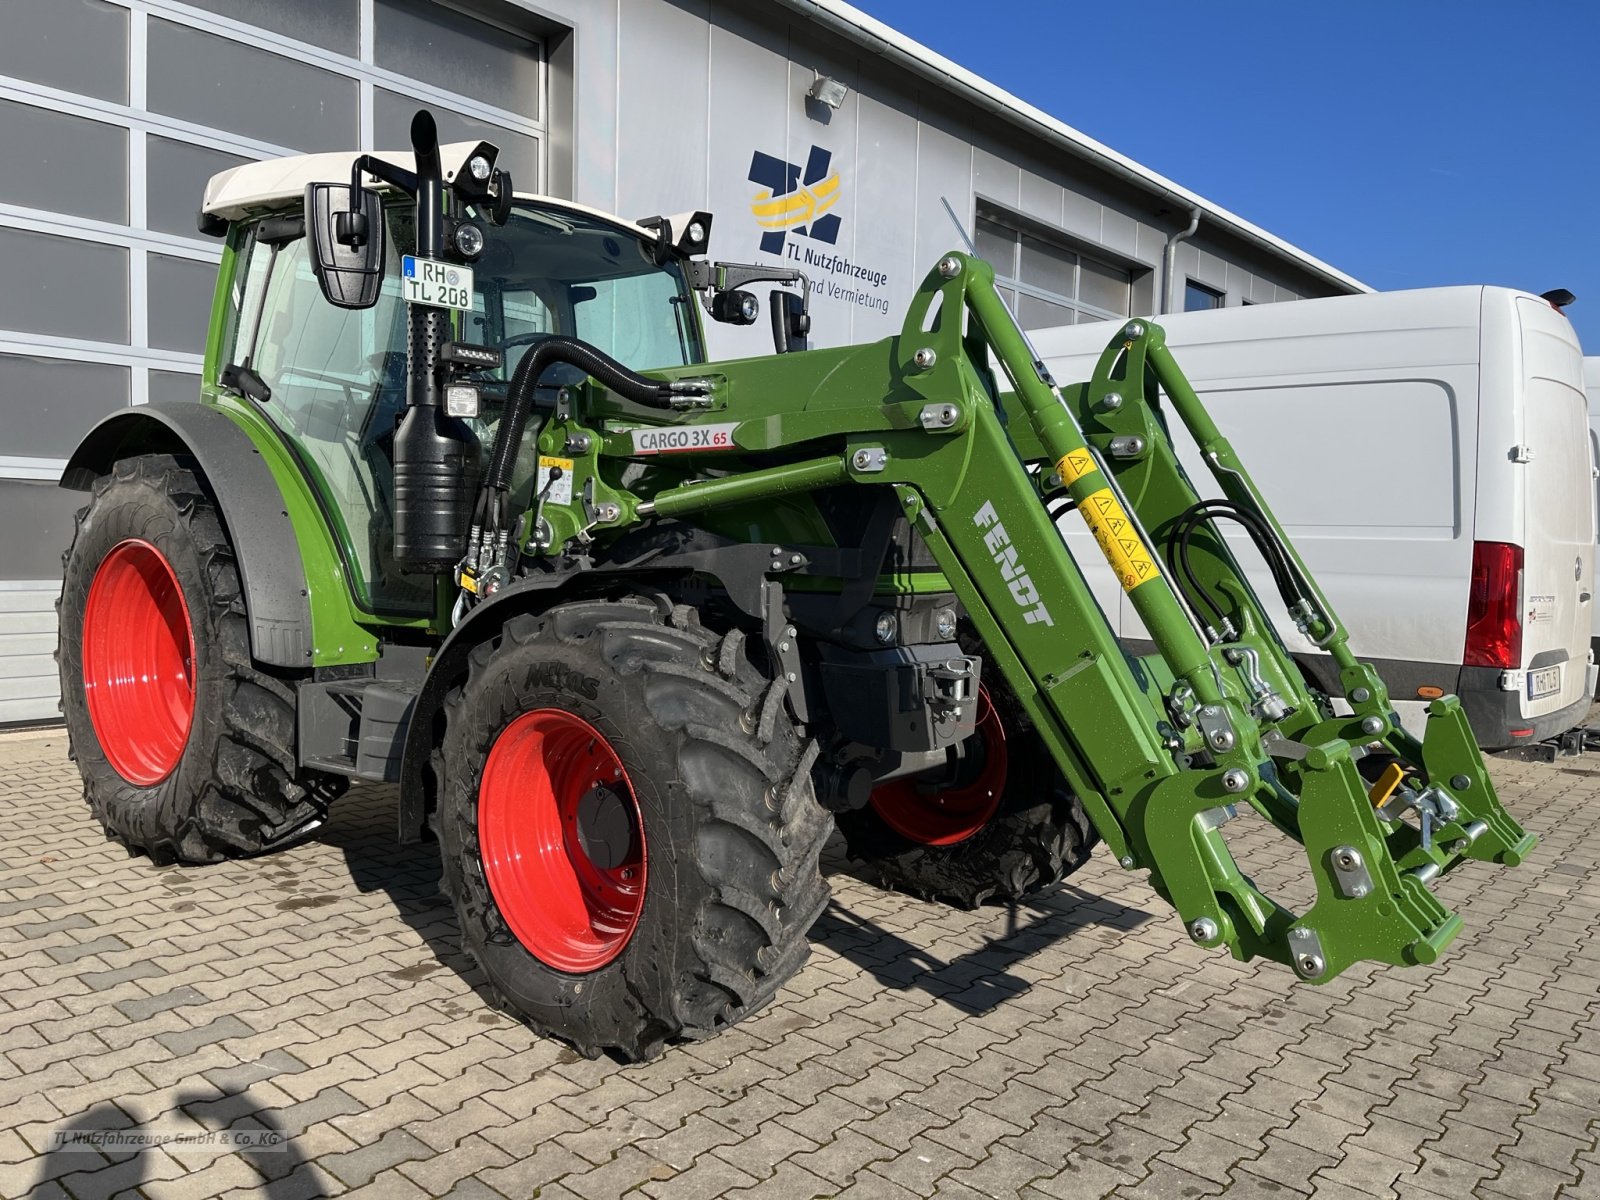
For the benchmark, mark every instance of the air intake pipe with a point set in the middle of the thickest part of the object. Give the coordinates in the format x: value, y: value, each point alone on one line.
x: 435, y: 454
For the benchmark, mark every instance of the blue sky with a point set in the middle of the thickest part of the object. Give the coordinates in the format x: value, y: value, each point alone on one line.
x: 1409, y: 143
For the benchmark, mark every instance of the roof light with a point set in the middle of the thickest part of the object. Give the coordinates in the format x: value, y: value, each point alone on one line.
x: 468, y: 239
x: 479, y: 167
x: 827, y: 90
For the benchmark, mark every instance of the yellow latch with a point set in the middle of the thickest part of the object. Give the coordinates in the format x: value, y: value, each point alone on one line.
x: 1387, y: 782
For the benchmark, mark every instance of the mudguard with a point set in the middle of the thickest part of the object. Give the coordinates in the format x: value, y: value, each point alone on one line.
x: 740, y: 568
x: 250, y: 501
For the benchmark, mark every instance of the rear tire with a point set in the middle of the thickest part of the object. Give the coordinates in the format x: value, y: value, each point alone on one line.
x: 186, y: 747
x: 1033, y: 838
x: 677, y: 895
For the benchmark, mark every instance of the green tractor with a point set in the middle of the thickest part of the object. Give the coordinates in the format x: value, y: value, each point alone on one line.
x: 463, y: 507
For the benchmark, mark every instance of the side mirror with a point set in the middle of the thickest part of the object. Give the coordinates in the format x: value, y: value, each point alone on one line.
x: 345, y: 235
x: 791, y: 322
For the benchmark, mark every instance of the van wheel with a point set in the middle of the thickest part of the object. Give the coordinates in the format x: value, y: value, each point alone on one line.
x: 185, y: 746
x: 628, y: 826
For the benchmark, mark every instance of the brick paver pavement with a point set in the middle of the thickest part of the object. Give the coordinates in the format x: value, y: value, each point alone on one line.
x: 1078, y: 1047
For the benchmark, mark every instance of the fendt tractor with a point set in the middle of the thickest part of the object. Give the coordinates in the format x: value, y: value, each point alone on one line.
x: 462, y: 506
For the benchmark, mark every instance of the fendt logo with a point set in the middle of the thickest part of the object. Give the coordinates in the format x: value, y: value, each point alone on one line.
x: 1012, y: 569
x: 795, y: 199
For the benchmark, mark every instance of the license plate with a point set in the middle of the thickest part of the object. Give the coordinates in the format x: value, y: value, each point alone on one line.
x: 1546, y: 681
x: 436, y: 284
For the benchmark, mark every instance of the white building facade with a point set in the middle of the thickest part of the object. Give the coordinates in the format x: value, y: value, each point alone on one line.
x: 113, y: 113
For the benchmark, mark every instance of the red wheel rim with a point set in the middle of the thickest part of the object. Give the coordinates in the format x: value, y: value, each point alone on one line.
x: 138, y: 662
x: 562, y: 841
x: 954, y: 815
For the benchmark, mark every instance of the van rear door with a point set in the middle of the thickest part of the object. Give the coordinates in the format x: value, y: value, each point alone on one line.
x: 1591, y: 385
x: 1559, y: 533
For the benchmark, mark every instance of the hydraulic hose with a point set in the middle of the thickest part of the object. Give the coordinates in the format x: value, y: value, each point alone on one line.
x: 591, y: 361
x: 1271, y: 550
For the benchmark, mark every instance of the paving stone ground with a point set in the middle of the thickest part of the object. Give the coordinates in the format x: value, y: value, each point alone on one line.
x: 1078, y: 1047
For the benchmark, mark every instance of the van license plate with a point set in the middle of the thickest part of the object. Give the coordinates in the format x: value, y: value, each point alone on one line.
x: 437, y: 284
x: 1544, y: 682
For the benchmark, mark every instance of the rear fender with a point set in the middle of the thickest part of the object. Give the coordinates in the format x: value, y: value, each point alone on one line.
x: 270, y: 565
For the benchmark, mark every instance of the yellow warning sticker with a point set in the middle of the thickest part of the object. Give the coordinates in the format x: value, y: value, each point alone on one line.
x: 560, y: 491
x: 1075, y: 466
x: 1119, y: 540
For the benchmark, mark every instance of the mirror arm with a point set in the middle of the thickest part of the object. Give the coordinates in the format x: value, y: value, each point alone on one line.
x: 384, y: 172
x: 705, y: 277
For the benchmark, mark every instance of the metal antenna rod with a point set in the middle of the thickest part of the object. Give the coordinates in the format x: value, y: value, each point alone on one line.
x: 960, y: 228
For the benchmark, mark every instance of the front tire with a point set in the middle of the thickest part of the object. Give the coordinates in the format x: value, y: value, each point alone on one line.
x: 629, y: 831
x: 1009, y: 832
x: 186, y: 748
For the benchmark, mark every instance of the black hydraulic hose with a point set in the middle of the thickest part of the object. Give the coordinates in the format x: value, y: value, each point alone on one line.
x: 588, y: 359
x: 1268, y: 551
x: 1266, y: 542
x: 1189, y: 584
x: 1190, y: 519
x: 1284, y: 571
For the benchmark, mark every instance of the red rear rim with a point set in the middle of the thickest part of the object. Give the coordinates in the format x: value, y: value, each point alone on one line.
x: 945, y: 818
x: 562, y: 841
x: 138, y: 663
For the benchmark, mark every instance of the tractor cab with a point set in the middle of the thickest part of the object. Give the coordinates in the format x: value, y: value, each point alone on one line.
x: 333, y: 380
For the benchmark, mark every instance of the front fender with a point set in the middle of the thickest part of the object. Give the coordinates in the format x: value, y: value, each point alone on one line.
x: 271, y: 570
x: 448, y: 666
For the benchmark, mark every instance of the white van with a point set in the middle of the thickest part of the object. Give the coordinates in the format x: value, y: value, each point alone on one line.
x: 1591, y: 384
x: 1428, y: 453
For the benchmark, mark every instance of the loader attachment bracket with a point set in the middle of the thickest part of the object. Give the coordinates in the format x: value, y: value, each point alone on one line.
x: 1164, y: 750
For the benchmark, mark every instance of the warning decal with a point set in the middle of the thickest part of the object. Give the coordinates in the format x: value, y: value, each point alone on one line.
x: 1118, y: 538
x: 1075, y: 465
x: 561, y: 490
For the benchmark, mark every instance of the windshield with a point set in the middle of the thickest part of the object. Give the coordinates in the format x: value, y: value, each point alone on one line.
x: 337, y: 377
x: 553, y: 271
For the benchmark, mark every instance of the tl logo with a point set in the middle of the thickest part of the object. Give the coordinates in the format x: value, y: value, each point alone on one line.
x: 795, y: 199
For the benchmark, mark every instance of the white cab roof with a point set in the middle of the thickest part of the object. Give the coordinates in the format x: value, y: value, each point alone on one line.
x: 281, y: 182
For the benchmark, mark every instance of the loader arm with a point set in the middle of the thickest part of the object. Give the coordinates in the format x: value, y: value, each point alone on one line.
x: 1160, y: 749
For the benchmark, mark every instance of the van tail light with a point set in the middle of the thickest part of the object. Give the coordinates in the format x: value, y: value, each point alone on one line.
x: 1494, y: 609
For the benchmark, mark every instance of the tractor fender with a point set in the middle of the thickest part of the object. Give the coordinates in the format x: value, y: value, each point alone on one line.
x: 248, y: 498
x: 450, y: 663
x: 739, y: 567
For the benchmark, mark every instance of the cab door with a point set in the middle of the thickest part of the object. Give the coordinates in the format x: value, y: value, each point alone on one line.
x: 337, y: 381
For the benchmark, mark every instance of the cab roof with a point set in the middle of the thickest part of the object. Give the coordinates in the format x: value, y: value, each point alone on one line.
x: 281, y: 183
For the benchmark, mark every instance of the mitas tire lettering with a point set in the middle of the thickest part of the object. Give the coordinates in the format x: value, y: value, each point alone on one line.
x: 555, y: 675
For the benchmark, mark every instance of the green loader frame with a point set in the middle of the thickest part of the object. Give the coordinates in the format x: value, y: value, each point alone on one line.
x: 1159, y: 748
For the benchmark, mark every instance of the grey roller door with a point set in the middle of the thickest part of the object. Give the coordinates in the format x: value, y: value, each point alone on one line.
x: 113, y: 113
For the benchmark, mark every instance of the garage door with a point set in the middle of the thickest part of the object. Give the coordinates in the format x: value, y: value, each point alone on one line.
x: 113, y: 113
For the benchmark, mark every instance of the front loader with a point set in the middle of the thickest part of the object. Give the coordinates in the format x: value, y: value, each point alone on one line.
x: 462, y: 506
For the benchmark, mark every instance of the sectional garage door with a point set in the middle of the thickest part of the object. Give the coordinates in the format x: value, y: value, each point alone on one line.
x: 113, y: 113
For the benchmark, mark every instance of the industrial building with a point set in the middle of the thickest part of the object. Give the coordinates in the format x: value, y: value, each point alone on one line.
x: 818, y: 137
